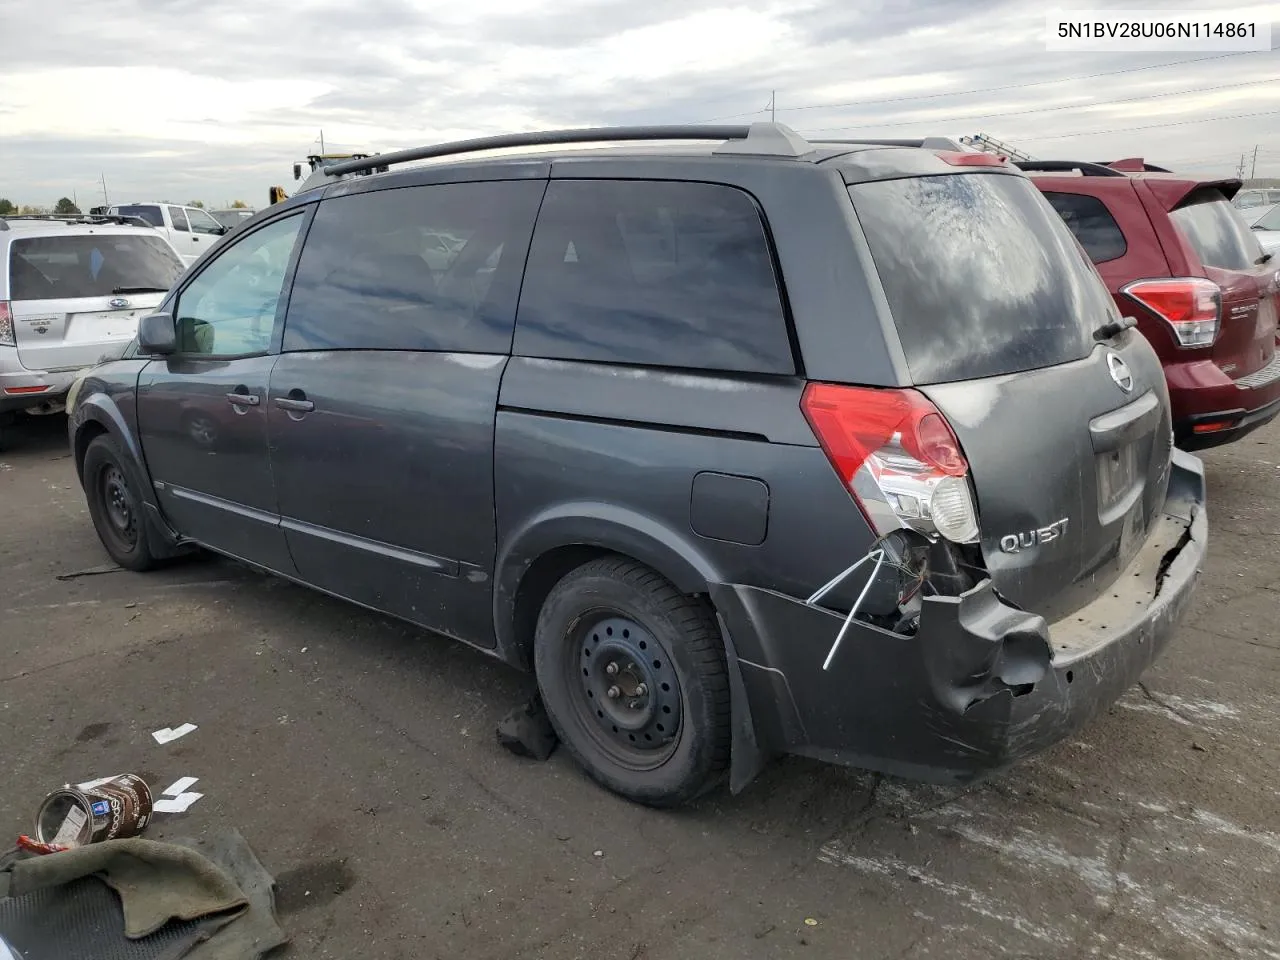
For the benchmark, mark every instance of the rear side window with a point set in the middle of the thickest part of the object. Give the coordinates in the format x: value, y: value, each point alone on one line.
x: 655, y: 273
x: 982, y: 277
x: 414, y: 268
x: 148, y: 213
x: 96, y: 265
x: 1216, y: 231
x: 1091, y: 222
x: 179, y: 219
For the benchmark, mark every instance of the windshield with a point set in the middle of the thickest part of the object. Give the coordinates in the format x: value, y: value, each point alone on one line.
x: 147, y: 212
x: 93, y: 265
x: 1270, y: 222
x: 1217, y: 232
x: 229, y: 218
x: 982, y: 276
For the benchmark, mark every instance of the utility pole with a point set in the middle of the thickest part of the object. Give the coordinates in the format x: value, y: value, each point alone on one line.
x: 322, y: 143
x: 773, y: 103
x: 1240, y: 168
x: 1253, y: 171
x: 105, y: 201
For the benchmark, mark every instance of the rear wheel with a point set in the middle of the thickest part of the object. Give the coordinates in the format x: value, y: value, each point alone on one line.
x: 633, y: 676
x: 115, y: 506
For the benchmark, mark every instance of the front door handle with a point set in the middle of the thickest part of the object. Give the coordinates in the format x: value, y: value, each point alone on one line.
x: 290, y: 403
x: 243, y: 399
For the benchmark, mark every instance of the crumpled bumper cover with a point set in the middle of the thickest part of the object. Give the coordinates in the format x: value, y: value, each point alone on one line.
x: 981, y: 684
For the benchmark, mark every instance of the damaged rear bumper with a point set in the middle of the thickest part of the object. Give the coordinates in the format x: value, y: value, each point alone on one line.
x: 981, y: 684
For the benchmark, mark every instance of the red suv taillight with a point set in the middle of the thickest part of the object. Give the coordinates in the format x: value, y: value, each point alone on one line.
x: 6, y: 325
x: 1192, y: 306
x: 894, y: 452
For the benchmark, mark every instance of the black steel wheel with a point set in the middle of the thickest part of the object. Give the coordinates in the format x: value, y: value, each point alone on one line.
x: 629, y: 691
x: 114, y: 505
x: 633, y: 676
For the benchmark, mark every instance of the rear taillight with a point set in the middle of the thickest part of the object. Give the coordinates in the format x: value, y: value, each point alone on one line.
x: 6, y: 325
x: 897, y: 456
x: 1192, y: 306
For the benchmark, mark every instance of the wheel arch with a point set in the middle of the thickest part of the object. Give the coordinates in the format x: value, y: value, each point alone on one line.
x: 98, y: 414
x: 548, y: 545
x: 541, y: 551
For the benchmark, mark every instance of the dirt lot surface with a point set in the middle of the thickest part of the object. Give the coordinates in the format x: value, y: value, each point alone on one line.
x: 358, y: 757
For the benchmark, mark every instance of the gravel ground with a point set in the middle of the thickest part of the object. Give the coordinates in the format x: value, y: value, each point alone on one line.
x: 357, y: 755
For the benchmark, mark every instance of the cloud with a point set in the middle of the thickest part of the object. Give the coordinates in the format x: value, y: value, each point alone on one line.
x: 190, y: 99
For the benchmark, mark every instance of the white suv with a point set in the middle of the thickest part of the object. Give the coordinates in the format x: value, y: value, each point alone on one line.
x: 191, y: 230
x: 71, y: 293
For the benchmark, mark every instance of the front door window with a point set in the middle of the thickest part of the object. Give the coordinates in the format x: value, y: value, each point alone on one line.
x: 229, y: 310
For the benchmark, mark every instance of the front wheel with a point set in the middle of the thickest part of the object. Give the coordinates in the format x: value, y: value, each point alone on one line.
x: 632, y: 673
x: 115, y: 506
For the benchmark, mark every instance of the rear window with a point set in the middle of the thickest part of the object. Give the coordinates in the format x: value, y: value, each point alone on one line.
x: 1091, y: 222
x: 1216, y: 231
x: 982, y: 276
x: 150, y: 214
x: 100, y: 265
x: 653, y: 273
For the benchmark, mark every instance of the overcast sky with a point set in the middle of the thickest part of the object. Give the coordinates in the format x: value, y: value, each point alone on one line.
x: 215, y: 99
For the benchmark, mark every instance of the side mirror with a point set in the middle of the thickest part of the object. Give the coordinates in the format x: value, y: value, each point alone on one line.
x: 297, y: 171
x: 157, y: 335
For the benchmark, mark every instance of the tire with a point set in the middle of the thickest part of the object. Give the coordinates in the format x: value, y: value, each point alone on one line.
x: 115, y: 506
x: 661, y: 744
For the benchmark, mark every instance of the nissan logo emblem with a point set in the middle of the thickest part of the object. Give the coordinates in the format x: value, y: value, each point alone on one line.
x: 1119, y: 371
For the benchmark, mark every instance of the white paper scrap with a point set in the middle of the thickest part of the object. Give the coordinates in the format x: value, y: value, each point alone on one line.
x: 176, y: 804
x: 180, y: 786
x: 166, y: 735
x: 69, y: 832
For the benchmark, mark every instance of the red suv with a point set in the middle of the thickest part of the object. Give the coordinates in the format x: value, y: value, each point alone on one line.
x: 1182, y: 262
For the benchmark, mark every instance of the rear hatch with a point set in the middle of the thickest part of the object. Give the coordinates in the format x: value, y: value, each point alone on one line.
x: 1067, y: 438
x: 1221, y: 241
x: 76, y: 297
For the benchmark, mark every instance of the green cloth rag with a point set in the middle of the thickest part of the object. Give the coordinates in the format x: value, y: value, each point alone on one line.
x: 156, y: 882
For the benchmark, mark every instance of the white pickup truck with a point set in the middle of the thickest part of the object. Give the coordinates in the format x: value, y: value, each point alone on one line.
x: 191, y: 230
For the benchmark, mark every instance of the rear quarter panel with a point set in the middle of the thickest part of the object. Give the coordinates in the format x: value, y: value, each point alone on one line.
x: 609, y: 455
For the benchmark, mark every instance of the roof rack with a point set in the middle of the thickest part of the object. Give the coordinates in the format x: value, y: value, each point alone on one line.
x: 80, y: 218
x: 757, y: 139
x: 1066, y: 166
x: 928, y: 143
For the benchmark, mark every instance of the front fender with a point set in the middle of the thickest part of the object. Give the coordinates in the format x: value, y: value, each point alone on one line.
x: 107, y: 401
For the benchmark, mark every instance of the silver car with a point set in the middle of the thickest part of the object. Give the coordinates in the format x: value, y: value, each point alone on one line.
x: 1267, y: 229
x: 71, y: 294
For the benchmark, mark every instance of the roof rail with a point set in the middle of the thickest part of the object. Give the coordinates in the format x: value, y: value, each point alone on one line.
x: 74, y: 218
x: 928, y: 143
x: 758, y: 139
x: 1067, y: 166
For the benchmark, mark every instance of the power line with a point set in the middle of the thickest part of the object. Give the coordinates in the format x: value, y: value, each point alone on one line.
x: 1070, y: 106
x: 1149, y: 126
x: 1010, y: 86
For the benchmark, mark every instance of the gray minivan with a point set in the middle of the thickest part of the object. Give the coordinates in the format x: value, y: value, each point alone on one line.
x: 746, y: 445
